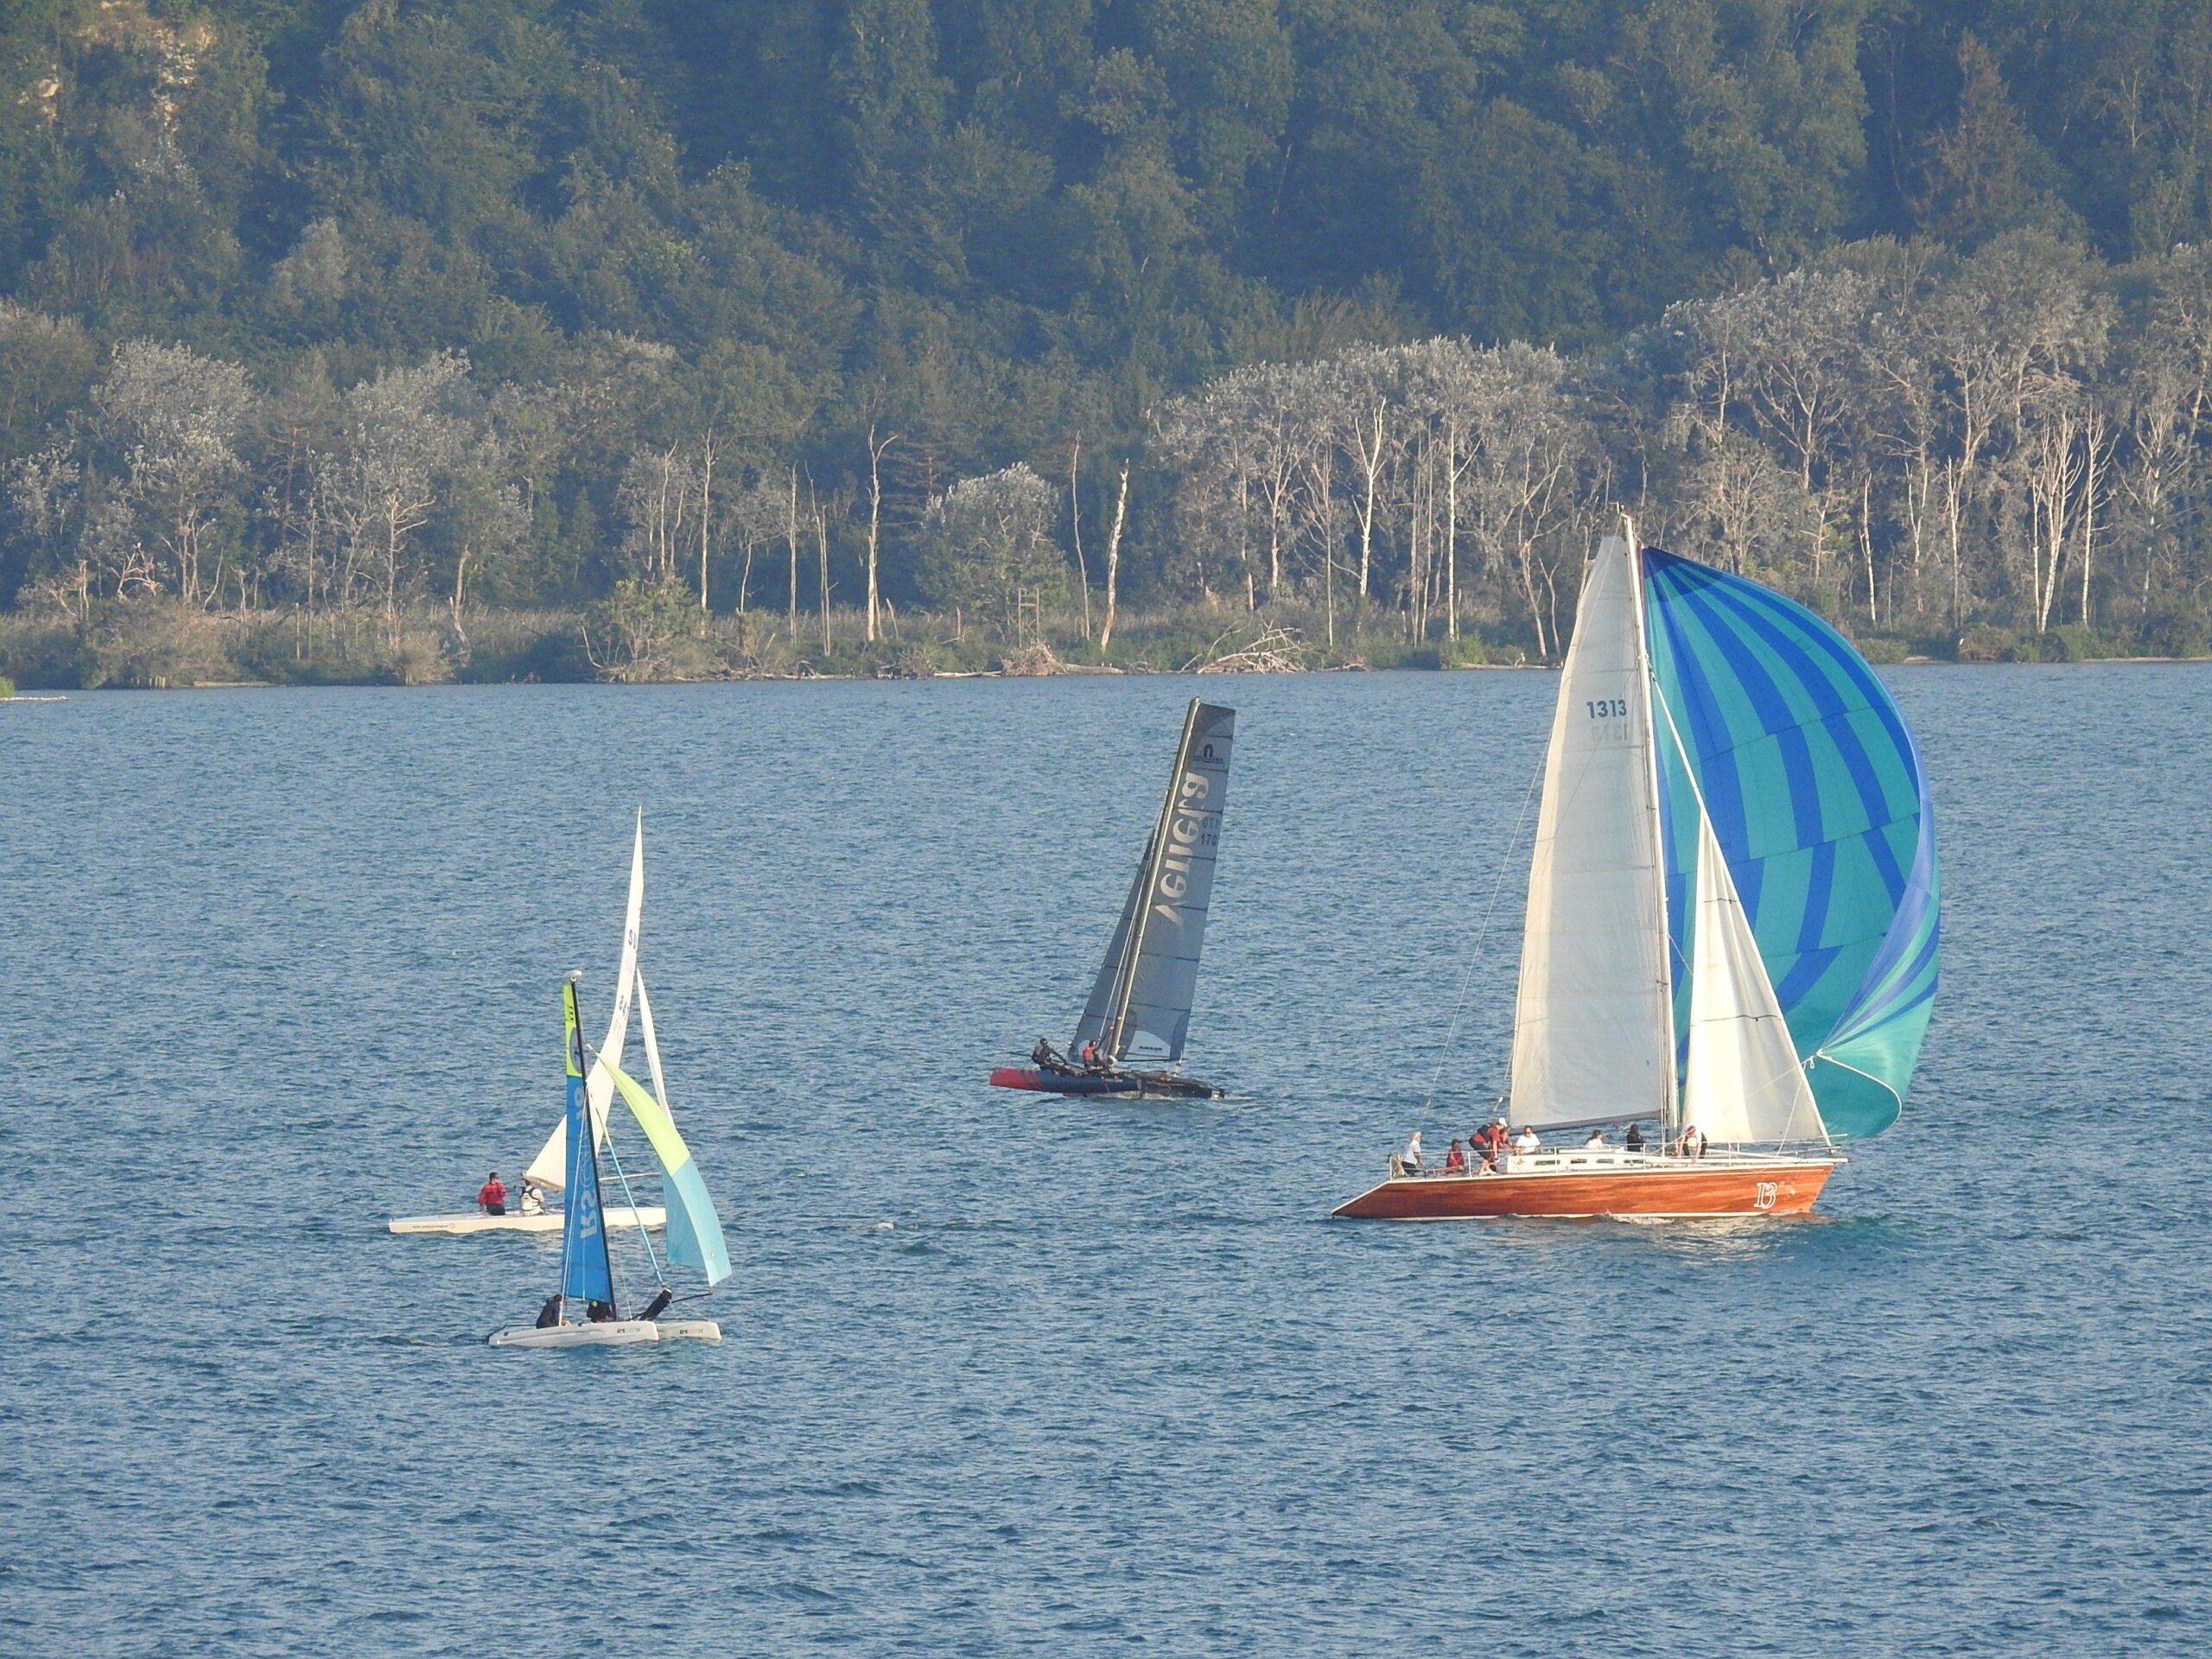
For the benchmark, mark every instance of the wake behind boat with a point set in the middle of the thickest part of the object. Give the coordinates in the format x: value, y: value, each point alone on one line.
x: 1734, y: 869
x: 1139, y: 1012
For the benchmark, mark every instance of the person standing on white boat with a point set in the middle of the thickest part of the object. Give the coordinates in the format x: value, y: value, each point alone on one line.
x: 491, y: 1197
x: 1693, y: 1142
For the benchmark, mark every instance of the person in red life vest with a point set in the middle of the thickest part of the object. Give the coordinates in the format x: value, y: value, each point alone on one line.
x: 1455, y: 1161
x: 1488, y: 1142
x: 491, y: 1197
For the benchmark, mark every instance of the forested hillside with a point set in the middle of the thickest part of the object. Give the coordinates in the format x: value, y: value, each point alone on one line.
x: 648, y: 337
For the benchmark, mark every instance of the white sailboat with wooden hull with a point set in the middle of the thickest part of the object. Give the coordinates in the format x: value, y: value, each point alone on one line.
x: 1131, y: 1036
x: 1732, y: 917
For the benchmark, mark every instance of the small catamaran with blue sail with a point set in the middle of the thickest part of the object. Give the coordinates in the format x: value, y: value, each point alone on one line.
x: 1732, y: 919
x: 586, y: 1310
x: 1139, y: 1012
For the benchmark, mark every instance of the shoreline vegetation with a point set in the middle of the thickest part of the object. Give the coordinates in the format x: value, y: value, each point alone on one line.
x: 503, y: 340
x: 156, y: 643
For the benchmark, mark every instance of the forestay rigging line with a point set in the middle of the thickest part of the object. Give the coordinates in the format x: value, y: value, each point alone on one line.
x: 1482, y: 933
x: 630, y: 1197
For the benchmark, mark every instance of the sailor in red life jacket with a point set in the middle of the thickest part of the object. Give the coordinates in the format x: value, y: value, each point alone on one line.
x: 492, y: 1197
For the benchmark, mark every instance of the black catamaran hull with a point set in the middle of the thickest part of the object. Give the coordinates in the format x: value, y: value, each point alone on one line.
x: 1156, y: 1085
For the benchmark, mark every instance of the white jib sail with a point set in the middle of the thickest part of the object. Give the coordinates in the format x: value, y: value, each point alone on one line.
x: 652, y: 1043
x: 551, y: 1169
x: 1743, y: 1081
x: 1592, y: 1032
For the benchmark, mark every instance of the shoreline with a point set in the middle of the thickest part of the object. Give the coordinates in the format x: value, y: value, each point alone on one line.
x: 1085, y: 671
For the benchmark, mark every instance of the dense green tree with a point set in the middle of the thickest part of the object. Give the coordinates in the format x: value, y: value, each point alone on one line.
x: 741, y: 235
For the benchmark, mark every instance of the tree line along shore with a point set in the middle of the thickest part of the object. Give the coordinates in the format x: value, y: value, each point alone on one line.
x: 515, y: 341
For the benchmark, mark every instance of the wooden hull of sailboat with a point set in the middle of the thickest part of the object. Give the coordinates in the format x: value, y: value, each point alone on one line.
x: 612, y: 1333
x: 1578, y: 1186
x: 1157, y: 1085
x: 618, y: 1217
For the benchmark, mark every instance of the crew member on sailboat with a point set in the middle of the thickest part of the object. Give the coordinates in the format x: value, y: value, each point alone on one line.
x: 1732, y: 913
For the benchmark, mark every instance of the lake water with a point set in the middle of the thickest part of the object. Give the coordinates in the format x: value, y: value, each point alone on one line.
x: 1006, y: 1374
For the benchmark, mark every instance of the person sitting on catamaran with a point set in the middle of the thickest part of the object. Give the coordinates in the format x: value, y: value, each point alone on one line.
x: 491, y: 1197
x: 1049, y: 1058
x: 549, y: 1315
x: 599, y: 1313
x: 533, y: 1198
x: 1455, y: 1161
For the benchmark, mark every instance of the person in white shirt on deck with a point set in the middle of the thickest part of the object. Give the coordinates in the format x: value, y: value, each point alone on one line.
x: 1527, y: 1141
x: 1411, y: 1157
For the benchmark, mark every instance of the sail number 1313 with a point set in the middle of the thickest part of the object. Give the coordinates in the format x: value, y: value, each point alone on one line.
x: 1608, y: 709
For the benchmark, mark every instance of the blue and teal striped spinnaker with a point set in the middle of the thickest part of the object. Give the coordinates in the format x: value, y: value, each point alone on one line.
x: 585, y: 1271
x: 1820, y: 804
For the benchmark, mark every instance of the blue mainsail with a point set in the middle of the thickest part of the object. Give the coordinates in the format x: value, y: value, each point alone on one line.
x: 1820, y: 804
x: 585, y: 1272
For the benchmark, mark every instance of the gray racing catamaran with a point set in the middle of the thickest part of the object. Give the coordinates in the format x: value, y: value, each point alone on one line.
x: 1131, y: 1038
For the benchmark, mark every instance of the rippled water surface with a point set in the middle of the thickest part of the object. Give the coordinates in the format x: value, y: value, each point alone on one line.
x: 1011, y: 1375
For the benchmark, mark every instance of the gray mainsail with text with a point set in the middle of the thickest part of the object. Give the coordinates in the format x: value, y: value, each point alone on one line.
x: 1140, y: 1006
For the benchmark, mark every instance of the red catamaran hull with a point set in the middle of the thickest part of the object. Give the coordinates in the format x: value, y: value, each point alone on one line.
x: 1692, y: 1190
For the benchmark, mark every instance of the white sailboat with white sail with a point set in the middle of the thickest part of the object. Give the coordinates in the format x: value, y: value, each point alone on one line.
x: 548, y: 1172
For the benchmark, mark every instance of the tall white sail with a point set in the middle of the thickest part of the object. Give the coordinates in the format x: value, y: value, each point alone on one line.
x: 1593, y: 1034
x: 1743, y: 1081
x: 550, y: 1169
x: 652, y: 1043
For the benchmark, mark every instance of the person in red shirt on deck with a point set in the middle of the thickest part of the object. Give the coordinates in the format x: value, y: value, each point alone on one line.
x: 1455, y: 1161
x: 492, y: 1197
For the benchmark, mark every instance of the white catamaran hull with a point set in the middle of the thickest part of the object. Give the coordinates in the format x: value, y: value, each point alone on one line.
x: 612, y: 1333
x: 651, y: 1215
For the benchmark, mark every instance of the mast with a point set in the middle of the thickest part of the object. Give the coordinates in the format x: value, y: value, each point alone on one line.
x: 550, y: 1168
x: 1670, y: 1103
x: 586, y: 1272
x: 1148, y: 882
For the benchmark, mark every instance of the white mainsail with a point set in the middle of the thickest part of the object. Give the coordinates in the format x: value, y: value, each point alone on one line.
x: 550, y: 1169
x: 652, y: 1042
x: 1743, y: 1081
x: 1594, y: 1030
